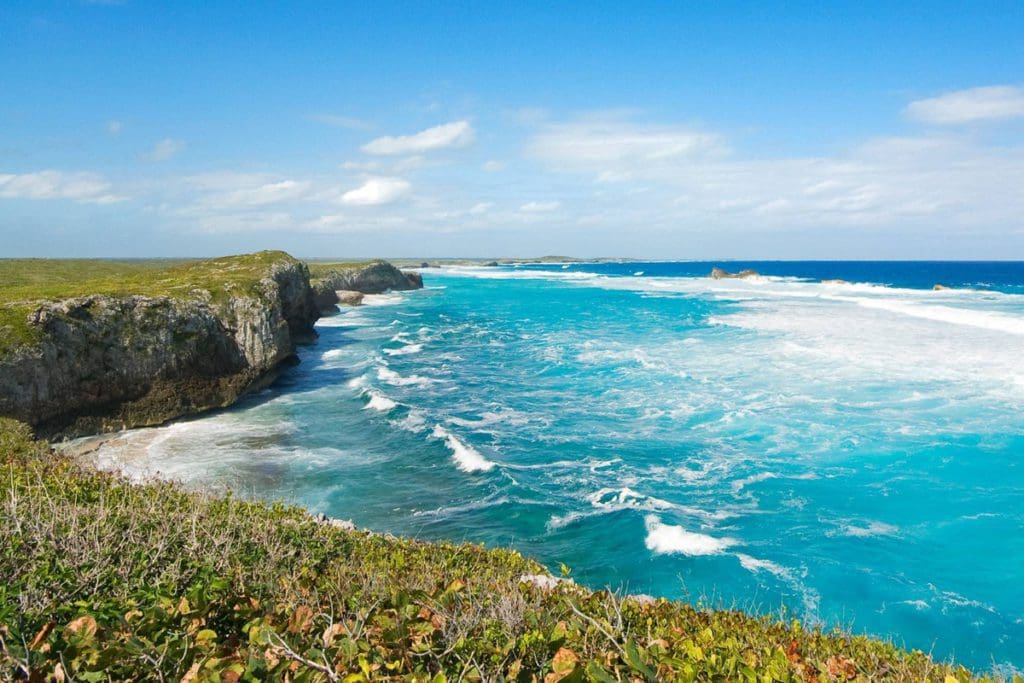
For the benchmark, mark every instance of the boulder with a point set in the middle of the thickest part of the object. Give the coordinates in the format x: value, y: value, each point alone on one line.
x: 347, y: 297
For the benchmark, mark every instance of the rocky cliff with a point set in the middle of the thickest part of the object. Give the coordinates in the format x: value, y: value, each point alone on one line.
x: 111, y: 361
x: 369, y: 278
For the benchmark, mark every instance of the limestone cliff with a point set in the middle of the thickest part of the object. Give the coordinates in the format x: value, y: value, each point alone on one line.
x: 370, y: 278
x: 112, y: 361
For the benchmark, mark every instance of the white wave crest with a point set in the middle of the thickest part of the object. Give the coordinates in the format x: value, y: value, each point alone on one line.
x: 379, y: 402
x: 666, y: 539
x: 388, y: 375
x: 404, y: 350
x: 620, y: 499
x: 466, y: 457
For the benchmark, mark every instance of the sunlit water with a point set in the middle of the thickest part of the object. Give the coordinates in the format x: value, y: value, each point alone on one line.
x: 849, y: 451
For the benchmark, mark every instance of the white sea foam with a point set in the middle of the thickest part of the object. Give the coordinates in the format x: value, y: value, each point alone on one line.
x: 868, y: 530
x: 415, y: 422
x: 388, y: 375
x: 754, y: 565
x: 379, y: 402
x: 625, y: 497
x: 466, y: 457
x: 664, y: 539
x: 404, y: 350
x: 387, y: 299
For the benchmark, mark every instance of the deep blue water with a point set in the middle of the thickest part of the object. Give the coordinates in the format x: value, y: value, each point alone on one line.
x: 848, y: 452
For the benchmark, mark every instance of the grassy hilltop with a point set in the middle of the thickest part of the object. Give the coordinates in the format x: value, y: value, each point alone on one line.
x: 102, y: 579
x: 26, y: 282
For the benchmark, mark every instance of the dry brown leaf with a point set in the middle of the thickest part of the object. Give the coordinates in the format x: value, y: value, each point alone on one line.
x: 85, y: 626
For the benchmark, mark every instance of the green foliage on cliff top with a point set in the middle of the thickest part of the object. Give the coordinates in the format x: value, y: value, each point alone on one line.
x: 102, y: 579
x: 319, y: 269
x: 26, y: 282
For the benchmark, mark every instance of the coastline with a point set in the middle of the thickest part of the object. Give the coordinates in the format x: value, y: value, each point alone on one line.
x: 90, y: 447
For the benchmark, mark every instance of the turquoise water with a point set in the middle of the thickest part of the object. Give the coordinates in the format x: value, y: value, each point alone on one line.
x: 848, y: 452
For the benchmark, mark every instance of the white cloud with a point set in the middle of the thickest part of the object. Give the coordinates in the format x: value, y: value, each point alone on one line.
x: 376, y: 191
x: 494, y: 166
x: 670, y: 177
x: 455, y: 134
x: 341, y: 121
x: 164, y: 150
x: 79, y: 187
x: 266, y: 193
x: 114, y: 127
x: 620, y: 146
x: 540, y: 207
x: 990, y: 103
x: 481, y: 208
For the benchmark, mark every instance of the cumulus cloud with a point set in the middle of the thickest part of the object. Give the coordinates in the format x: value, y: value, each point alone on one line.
x: 455, y: 134
x: 164, y: 150
x: 481, y: 208
x: 991, y: 103
x: 376, y: 191
x: 540, y: 207
x: 78, y: 187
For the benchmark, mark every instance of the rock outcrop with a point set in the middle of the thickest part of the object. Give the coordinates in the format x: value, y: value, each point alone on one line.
x: 347, y: 297
x: 375, y: 277
x: 102, y: 363
x: 720, y: 274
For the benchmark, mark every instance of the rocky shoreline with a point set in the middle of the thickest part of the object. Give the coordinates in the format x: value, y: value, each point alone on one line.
x: 106, y: 362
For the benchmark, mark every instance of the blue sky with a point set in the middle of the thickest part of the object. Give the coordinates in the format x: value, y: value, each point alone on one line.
x: 697, y: 130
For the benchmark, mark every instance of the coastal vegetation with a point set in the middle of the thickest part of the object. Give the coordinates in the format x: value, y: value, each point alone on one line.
x: 25, y: 283
x: 105, y: 579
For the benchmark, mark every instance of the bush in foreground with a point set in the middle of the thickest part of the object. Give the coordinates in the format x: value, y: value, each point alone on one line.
x: 102, y: 579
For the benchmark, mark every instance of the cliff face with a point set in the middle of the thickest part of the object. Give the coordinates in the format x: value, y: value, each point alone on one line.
x: 372, y: 278
x: 111, y: 362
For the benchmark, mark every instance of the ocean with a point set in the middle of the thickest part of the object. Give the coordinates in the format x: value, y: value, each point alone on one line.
x: 845, y: 453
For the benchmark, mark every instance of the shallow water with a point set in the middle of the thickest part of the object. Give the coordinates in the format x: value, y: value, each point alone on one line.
x: 848, y: 451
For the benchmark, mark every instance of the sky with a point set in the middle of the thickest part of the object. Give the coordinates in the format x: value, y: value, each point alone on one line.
x: 701, y: 130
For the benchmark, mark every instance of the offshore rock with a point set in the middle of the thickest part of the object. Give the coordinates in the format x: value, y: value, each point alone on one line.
x: 720, y: 274
x: 104, y: 363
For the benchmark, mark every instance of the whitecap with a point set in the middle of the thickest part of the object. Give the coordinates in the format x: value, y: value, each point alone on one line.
x: 665, y: 539
x: 388, y: 375
x: 379, y: 402
x: 404, y: 350
x: 414, y: 422
x: 618, y: 499
x: 466, y: 457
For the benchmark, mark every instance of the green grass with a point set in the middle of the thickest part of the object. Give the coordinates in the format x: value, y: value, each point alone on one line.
x: 318, y: 269
x: 102, y: 579
x: 24, y: 283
